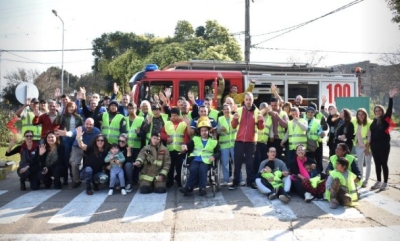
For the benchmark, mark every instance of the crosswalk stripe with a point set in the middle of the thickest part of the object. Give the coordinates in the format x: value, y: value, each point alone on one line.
x: 146, y: 208
x: 3, y: 191
x: 13, y: 211
x: 340, y: 212
x: 274, y: 209
x: 212, y: 208
x: 80, y: 209
x: 381, y: 201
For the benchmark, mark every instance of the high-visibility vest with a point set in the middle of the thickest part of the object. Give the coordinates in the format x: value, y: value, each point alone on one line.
x: 176, y: 135
x: 364, y: 131
x: 263, y: 135
x: 349, y: 183
x: 281, y: 130
x: 213, y: 114
x: 133, y: 139
x: 334, y: 159
x: 313, y: 130
x: 227, y: 139
x: 277, y: 182
x: 297, y: 136
x: 240, y: 110
x: 27, y: 125
x: 111, y: 130
x: 204, y: 152
x: 148, y: 135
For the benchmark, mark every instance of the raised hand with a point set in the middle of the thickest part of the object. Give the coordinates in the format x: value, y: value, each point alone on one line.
x: 236, y: 116
x: 36, y: 112
x: 168, y: 93
x: 253, y: 81
x: 12, y: 141
x: 115, y: 88
x: 28, y: 101
x: 82, y: 90
x: 79, y: 132
x: 220, y: 75
x: 323, y: 99
x: 57, y: 93
x: 156, y: 98
x: 273, y: 87
x: 393, y: 92
x: 162, y: 97
x: 184, y: 148
x: 42, y: 149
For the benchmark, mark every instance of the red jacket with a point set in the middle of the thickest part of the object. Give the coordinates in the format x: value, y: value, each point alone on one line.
x: 47, y: 125
x: 247, y: 125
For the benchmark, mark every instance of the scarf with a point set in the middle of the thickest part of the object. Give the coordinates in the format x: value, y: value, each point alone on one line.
x: 302, y: 170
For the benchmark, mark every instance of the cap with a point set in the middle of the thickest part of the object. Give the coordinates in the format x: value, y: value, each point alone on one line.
x: 175, y: 110
x: 42, y: 101
x: 34, y: 100
x: 155, y: 107
x: 114, y: 102
x: 310, y: 109
x: 106, y: 97
x: 203, y: 122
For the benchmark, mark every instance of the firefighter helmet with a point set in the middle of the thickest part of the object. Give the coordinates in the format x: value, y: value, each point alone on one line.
x: 203, y: 122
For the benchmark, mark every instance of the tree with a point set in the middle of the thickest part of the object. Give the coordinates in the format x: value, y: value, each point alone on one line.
x: 312, y: 58
x: 183, y: 31
x: 394, y: 5
x: 93, y: 83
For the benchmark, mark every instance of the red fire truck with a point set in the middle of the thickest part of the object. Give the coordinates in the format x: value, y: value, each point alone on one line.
x: 198, y: 76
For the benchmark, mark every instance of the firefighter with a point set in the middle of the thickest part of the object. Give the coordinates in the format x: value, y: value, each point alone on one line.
x: 156, y: 162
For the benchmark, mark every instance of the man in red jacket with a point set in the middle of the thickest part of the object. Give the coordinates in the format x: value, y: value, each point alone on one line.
x: 50, y: 121
x: 246, y: 121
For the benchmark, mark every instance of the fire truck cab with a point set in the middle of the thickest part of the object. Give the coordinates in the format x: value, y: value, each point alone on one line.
x: 200, y: 77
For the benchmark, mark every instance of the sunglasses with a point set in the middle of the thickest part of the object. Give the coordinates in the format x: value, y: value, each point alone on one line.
x: 28, y: 136
x: 122, y: 141
x: 100, y: 140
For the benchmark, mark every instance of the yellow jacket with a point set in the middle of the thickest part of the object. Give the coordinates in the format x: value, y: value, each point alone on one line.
x: 239, y: 98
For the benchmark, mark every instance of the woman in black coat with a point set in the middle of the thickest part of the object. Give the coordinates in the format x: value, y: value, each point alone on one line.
x: 344, y: 132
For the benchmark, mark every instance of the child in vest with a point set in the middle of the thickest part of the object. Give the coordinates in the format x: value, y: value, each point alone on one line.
x: 272, y: 180
x: 340, y: 186
x: 116, y: 158
x: 315, y: 184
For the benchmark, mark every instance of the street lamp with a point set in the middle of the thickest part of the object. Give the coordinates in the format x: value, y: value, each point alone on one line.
x: 62, y: 58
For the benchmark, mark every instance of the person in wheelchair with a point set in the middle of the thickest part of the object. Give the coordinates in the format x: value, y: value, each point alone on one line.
x: 203, y: 151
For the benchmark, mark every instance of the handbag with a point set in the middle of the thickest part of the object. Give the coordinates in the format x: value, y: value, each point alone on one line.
x: 312, y: 145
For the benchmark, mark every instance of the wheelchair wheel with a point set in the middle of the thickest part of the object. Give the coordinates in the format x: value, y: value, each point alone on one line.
x: 214, y: 189
x: 184, y: 172
x: 218, y: 175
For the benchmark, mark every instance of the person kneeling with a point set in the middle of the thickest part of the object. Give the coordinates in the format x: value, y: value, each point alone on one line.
x: 204, y: 151
x: 156, y: 162
x: 341, y: 185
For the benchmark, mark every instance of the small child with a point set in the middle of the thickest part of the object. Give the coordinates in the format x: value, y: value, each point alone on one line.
x: 272, y: 180
x: 116, y: 158
x: 311, y: 169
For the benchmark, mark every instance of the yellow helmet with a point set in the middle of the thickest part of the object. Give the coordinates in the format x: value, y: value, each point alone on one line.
x: 203, y: 122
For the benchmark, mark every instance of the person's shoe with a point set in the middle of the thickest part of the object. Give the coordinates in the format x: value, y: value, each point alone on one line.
x: 128, y: 188
x: 334, y: 203
x: 160, y: 190
x: 284, y: 197
x: 224, y: 184
x: 271, y: 195
x: 95, y: 187
x: 242, y: 183
x: 346, y: 200
x: 233, y: 187
x: 202, y: 192
x: 110, y: 192
x: 123, y: 192
x: 308, y: 197
x: 384, y: 187
x: 377, y: 185
x: 22, y: 186
x: 365, y: 184
x: 74, y: 185
x: 253, y: 185
x: 144, y: 189
x: 186, y: 191
x: 89, y: 192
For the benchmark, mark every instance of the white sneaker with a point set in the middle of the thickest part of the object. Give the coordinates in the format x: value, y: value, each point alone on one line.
x: 242, y: 183
x: 110, y: 192
x: 308, y: 197
x: 128, y: 188
x: 123, y: 192
x: 224, y: 184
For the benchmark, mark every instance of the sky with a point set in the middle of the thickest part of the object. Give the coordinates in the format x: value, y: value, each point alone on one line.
x: 31, y: 25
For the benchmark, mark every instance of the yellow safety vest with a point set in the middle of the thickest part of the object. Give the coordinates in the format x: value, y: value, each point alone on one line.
x: 27, y: 125
x: 351, y: 186
x: 204, y: 152
x: 313, y: 131
x: 176, y: 135
x: 334, y: 159
x: 296, y: 136
x: 364, y: 131
x: 148, y: 135
x: 240, y: 110
x: 263, y: 135
x: 281, y: 130
x: 213, y: 114
x: 111, y: 130
x: 277, y: 182
x: 227, y: 139
x: 133, y: 139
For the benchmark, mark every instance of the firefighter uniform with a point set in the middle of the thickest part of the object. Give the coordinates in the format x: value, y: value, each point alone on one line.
x: 155, y: 161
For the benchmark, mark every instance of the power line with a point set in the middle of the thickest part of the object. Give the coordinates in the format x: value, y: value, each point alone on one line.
x: 44, y: 50
x: 290, y: 29
x: 34, y: 62
x: 325, y: 51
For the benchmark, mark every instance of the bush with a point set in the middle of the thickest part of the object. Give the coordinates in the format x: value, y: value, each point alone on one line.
x: 5, y: 117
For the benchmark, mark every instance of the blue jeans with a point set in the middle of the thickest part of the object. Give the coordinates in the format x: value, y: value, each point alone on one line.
x: 117, y: 172
x: 67, y: 143
x: 198, y: 174
x: 225, y: 155
x: 88, y: 176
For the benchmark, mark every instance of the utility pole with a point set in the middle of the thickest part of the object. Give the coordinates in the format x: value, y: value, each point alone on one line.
x: 1, y: 78
x: 247, y: 41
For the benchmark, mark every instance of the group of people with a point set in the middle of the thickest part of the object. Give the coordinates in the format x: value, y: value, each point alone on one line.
x: 122, y: 145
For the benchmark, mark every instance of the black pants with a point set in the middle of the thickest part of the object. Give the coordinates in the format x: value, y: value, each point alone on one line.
x: 277, y: 145
x: 136, y: 170
x: 244, y: 151
x: 31, y: 175
x: 260, y: 155
x: 55, y: 172
x: 380, y: 153
x: 176, y: 165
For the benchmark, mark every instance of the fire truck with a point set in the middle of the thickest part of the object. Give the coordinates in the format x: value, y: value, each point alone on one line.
x: 198, y: 77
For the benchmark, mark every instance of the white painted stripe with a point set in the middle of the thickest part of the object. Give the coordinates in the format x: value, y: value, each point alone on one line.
x: 381, y: 201
x: 340, y: 211
x: 274, y: 209
x: 212, y: 208
x: 146, y: 208
x: 375, y: 233
x: 80, y: 209
x: 89, y: 236
x: 3, y: 191
x: 13, y: 211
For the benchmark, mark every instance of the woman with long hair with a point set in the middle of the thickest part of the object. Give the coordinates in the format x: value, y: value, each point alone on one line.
x: 361, y: 130
x: 28, y: 166
x: 51, y: 158
x: 69, y: 121
x: 93, y: 163
x: 380, y: 141
x: 344, y: 132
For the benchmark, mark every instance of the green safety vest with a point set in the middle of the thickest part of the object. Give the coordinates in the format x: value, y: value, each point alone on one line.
x: 213, y: 114
x: 133, y: 139
x: 227, y: 139
x: 148, y: 135
x: 263, y: 135
x: 297, y: 136
x: 364, y: 131
x: 277, y: 182
x: 27, y: 125
x: 313, y: 131
x: 176, y: 135
x: 204, y: 152
x: 111, y: 130
x: 281, y: 130
x: 334, y: 159
x: 240, y: 110
x: 351, y: 186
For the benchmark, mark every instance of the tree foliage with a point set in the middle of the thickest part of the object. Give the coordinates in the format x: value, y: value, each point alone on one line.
x: 394, y: 5
x: 13, y: 80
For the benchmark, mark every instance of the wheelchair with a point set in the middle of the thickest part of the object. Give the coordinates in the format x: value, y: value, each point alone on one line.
x: 214, y: 174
